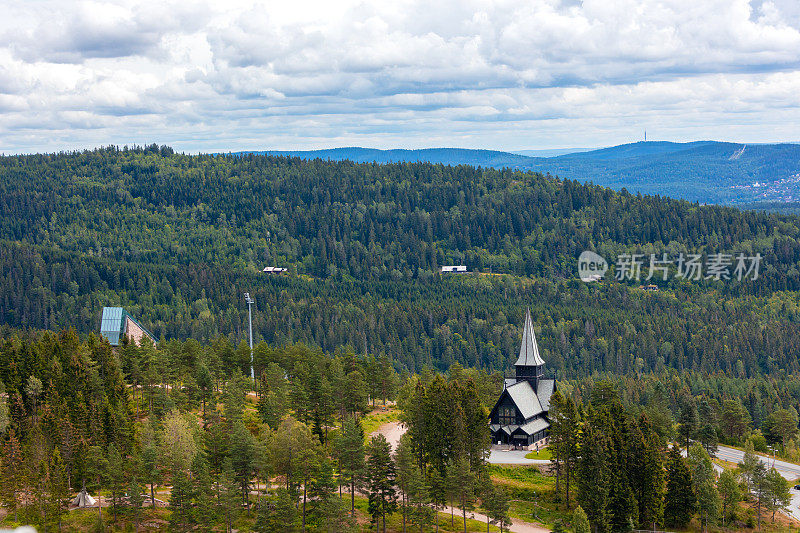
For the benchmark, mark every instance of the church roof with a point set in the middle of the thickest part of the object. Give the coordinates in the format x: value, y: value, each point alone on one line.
x: 546, y: 388
x: 534, y: 425
x: 529, y: 351
x: 525, y: 399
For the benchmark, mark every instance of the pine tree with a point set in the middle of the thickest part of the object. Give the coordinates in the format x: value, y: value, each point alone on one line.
x: 495, y: 501
x: 759, y: 487
x: 380, y: 479
x: 11, y: 478
x: 350, y: 454
x: 437, y: 490
x: 730, y: 494
x: 778, y: 495
x: 461, y: 480
x: 181, y: 503
x: 228, y: 494
x: 680, y: 501
x: 203, y: 490
x: 708, y: 501
x: 580, y: 523
x: 646, y: 474
x: 241, y: 453
x: 278, y: 512
x: 135, y: 500
x: 150, y: 470
x: 594, y: 477
x: 58, y: 489
x: 321, y: 489
x: 97, y: 470
x: 116, y: 477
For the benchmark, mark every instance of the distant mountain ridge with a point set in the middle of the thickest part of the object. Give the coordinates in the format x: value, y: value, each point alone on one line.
x: 704, y: 171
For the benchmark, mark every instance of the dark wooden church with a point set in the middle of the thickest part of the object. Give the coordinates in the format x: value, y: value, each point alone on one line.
x: 519, y: 417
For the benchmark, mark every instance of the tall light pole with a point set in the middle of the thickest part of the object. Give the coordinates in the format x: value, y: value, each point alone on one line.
x: 250, y: 302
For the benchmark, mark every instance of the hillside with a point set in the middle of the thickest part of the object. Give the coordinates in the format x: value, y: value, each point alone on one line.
x: 703, y: 171
x: 177, y: 239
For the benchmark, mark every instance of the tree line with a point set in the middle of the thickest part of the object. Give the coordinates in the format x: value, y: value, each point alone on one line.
x: 177, y: 239
x: 125, y: 424
x: 623, y: 474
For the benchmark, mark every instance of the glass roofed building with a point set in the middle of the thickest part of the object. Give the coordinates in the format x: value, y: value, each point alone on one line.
x: 116, y: 324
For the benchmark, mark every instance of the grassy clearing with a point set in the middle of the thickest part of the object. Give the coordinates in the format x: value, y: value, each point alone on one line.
x: 394, y: 523
x: 532, y: 493
x: 543, y: 454
x: 372, y: 421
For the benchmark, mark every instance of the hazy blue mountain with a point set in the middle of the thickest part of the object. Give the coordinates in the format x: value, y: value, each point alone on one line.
x: 446, y: 156
x: 702, y: 171
x: 553, y: 152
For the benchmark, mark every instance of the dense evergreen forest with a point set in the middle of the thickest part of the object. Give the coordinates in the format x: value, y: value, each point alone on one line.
x: 177, y: 239
x: 175, y: 437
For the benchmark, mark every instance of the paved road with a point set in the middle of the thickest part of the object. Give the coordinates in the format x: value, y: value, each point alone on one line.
x: 789, y: 471
x: 513, y: 457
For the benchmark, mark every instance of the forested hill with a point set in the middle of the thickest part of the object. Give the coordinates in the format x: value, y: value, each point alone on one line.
x: 703, y: 171
x: 176, y: 239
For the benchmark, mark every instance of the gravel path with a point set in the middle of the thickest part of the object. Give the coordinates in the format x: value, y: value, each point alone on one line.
x: 392, y: 431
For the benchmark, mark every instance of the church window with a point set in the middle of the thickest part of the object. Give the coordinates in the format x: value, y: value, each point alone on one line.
x: 507, y: 415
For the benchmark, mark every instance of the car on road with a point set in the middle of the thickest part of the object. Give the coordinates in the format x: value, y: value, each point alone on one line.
x: 797, y: 487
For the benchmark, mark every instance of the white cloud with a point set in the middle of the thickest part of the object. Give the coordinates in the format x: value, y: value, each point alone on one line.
x: 503, y: 74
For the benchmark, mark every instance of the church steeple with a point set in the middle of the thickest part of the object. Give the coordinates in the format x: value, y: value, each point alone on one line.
x: 529, y: 365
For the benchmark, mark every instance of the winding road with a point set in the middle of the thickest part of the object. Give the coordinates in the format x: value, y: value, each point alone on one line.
x: 789, y: 471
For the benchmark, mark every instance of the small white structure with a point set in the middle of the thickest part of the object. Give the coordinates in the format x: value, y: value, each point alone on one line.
x: 274, y: 270
x: 460, y: 269
x: 83, y: 499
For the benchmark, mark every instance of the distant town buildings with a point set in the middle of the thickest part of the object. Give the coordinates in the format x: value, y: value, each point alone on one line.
x: 460, y: 269
x: 274, y: 270
x: 116, y: 324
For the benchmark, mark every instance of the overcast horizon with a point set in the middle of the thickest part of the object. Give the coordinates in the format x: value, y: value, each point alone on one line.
x: 247, y: 75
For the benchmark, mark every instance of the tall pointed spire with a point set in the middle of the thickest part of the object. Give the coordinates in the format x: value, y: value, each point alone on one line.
x: 529, y: 351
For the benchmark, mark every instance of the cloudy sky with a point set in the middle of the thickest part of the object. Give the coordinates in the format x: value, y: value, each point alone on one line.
x: 240, y: 74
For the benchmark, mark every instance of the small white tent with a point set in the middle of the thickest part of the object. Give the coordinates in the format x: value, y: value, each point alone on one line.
x: 83, y: 499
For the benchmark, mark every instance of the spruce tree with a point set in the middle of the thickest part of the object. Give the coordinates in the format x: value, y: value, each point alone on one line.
x: 380, y: 480
x: 594, y: 477
x: 580, y: 522
x: 135, y: 501
x: 181, y: 503
x: 151, y: 474
x: 278, y: 512
x: 778, y: 495
x: 702, y: 469
x: 680, y: 501
x: 437, y: 490
x: 58, y: 490
x: 241, y: 448
x: 97, y: 470
x: 350, y: 454
x: 11, y: 475
x: 688, y: 421
x: 646, y: 474
x: 730, y: 494
x: 461, y: 480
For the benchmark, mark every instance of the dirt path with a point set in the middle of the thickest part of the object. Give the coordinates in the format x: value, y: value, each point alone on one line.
x: 518, y: 526
x: 392, y: 431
